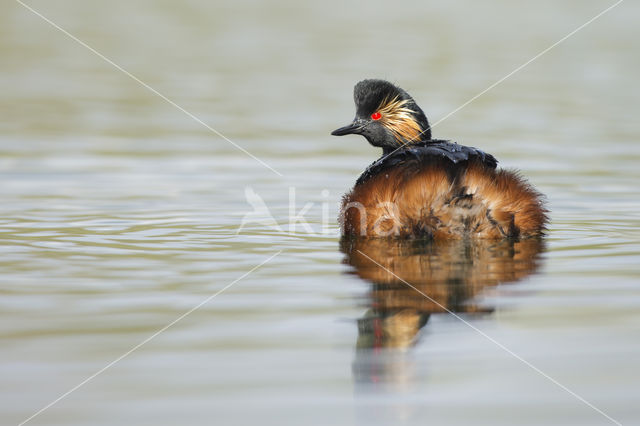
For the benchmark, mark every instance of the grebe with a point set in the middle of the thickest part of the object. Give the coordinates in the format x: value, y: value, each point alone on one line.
x: 429, y: 188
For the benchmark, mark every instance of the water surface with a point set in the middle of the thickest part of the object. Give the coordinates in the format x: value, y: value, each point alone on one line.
x: 119, y: 213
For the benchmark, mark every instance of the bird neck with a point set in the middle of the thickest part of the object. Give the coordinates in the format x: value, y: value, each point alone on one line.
x: 387, y: 150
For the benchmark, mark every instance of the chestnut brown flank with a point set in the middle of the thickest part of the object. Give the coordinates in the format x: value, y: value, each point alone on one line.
x: 479, y: 202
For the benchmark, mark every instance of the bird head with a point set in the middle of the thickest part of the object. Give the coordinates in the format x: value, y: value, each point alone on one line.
x: 386, y: 116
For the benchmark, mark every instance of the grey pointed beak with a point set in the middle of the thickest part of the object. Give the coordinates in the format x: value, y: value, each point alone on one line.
x: 353, y: 128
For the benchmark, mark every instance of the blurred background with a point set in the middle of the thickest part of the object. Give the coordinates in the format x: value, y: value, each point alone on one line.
x: 119, y: 213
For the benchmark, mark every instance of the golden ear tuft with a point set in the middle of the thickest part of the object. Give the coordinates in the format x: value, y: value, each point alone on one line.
x: 399, y: 120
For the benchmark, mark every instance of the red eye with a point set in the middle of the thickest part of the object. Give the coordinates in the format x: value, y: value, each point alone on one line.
x: 376, y: 116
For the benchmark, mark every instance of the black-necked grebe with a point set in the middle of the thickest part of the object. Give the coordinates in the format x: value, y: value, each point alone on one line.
x: 428, y: 188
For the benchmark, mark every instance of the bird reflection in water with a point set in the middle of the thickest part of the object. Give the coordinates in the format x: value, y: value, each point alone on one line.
x: 410, y: 280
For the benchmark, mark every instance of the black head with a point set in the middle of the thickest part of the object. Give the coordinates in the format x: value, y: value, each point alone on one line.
x: 386, y: 115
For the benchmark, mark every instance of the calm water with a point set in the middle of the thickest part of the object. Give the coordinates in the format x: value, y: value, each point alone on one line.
x: 119, y: 213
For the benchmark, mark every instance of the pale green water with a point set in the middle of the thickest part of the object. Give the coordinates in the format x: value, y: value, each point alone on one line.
x: 119, y: 213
